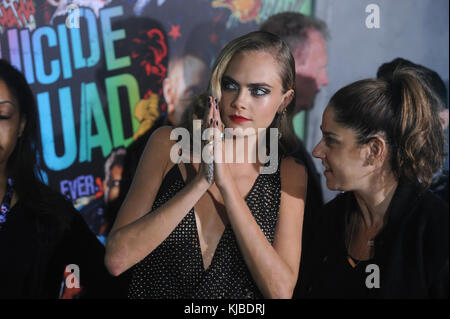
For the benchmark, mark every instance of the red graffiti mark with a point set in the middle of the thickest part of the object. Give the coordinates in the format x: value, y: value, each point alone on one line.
x: 24, y: 11
x: 99, y: 183
x: 151, y: 49
x: 16, y: 13
x: 244, y: 10
x: 175, y: 32
x: 147, y: 94
x: 7, y: 18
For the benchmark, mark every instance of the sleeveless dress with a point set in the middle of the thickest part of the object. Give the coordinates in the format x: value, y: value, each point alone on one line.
x: 175, y: 268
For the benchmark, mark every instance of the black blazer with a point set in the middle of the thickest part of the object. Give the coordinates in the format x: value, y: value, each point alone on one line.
x: 411, y: 250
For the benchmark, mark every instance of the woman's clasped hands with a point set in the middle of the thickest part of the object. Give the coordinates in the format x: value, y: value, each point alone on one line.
x: 214, y: 167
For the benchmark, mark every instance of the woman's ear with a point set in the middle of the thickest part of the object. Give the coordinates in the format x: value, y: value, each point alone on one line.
x: 377, y: 150
x: 285, y: 100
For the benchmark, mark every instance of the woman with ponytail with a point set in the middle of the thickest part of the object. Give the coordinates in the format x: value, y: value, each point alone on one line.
x: 385, y: 235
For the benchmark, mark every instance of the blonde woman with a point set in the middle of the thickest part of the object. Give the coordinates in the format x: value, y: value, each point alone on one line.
x: 223, y: 230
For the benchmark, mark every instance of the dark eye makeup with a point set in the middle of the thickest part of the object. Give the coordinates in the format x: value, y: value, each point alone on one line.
x: 259, y: 91
x: 228, y: 84
x: 256, y: 90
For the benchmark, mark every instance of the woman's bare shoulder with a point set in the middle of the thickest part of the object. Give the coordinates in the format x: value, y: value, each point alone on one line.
x: 162, y: 135
x: 159, y: 149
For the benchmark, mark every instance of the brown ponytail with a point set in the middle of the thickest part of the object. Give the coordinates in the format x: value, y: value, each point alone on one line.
x: 418, y: 134
x: 403, y: 110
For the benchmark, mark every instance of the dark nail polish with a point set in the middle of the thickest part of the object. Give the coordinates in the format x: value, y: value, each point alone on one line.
x: 210, y: 122
x: 217, y: 123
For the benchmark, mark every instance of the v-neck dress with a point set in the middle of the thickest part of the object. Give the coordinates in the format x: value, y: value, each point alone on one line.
x: 175, y: 268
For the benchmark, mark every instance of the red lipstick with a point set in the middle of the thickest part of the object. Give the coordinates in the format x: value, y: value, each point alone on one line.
x: 238, y: 119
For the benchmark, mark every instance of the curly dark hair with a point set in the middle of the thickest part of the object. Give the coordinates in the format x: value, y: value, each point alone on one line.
x: 402, y: 110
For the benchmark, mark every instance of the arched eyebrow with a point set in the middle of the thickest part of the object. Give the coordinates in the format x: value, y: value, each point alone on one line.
x: 250, y: 85
x: 327, y: 132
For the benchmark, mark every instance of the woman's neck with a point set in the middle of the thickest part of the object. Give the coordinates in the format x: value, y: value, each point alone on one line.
x: 375, y: 200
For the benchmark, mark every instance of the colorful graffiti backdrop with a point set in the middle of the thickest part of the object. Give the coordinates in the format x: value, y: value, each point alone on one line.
x: 96, y: 68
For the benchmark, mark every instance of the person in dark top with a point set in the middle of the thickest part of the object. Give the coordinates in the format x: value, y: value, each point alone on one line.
x: 219, y: 229
x: 386, y: 235
x: 40, y: 231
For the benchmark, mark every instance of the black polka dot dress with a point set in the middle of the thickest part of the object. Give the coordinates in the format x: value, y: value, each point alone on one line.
x: 175, y: 268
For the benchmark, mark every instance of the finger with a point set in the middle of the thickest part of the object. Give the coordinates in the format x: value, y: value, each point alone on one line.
x: 210, y: 117
x: 211, y: 111
x: 218, y: 134
x: 217, y: 121
x: 219, y: 124
x: 216, y: 116
x: 216, y: 102
x: 208, y: 114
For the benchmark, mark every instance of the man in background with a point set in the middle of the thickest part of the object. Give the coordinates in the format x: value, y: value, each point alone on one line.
x: 305, y: 36
x: 187, y: 78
